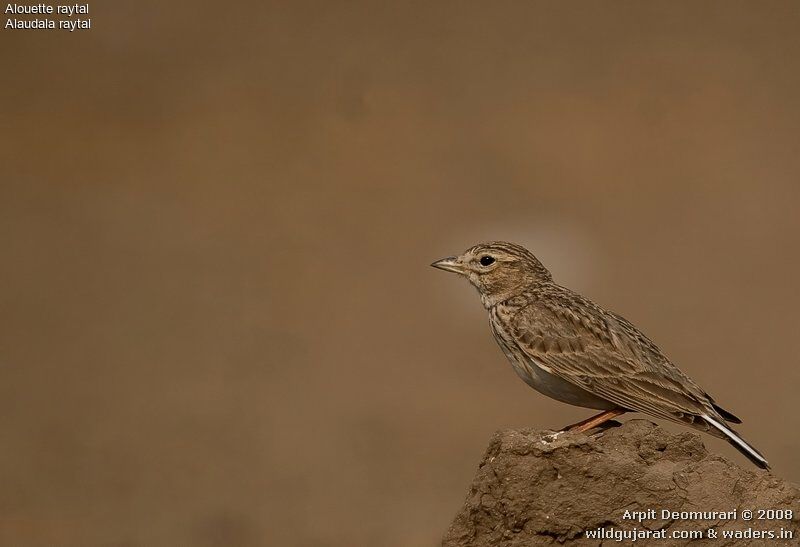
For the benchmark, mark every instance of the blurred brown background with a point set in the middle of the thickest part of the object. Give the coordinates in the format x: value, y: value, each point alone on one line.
x: 218, y: 323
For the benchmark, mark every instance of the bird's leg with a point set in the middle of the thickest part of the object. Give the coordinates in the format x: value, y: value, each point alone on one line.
x: 594, y: 421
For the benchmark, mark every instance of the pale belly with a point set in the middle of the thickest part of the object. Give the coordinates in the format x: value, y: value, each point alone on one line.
x: 551, y: 385
x: 557, y: 388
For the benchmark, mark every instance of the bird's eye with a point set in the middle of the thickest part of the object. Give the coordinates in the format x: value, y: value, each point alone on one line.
x: 486, y: 260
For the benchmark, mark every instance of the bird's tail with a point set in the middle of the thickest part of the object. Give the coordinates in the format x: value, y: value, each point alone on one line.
x: 737, y: 442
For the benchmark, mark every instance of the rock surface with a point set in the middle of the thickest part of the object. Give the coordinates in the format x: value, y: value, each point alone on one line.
x: 543, y: 488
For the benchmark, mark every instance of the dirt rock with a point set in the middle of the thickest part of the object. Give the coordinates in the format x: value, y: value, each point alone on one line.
x: 546, y: 488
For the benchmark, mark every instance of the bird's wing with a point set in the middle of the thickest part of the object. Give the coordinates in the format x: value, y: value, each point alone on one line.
x: 606, y: 355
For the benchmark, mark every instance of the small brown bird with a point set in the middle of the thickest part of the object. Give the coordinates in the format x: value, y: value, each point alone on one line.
x: 569, y: 348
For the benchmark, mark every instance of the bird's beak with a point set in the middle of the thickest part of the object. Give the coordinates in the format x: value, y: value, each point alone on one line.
x: 449, y: 264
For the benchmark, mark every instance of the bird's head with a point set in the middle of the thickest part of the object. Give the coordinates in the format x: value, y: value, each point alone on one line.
x: 498, y: 270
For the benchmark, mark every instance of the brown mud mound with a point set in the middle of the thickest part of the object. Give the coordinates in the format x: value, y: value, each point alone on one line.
x: 541, y: 488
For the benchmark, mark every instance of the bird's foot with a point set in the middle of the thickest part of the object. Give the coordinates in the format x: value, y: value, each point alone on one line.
x: 595, y: 421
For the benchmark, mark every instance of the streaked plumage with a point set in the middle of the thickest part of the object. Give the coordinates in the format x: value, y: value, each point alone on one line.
x: 569, y: 348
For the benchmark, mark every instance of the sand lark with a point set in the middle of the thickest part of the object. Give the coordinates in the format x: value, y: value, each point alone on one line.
x: 569, y: 348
